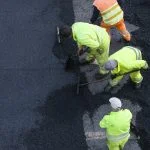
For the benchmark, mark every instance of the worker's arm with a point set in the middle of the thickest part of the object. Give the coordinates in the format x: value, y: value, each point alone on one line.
x: 115, y: 80
x: 89, y: 42
x: 95, y: 14
x: 104, y: 122
x: 129, y: 114
x: 139, y: 64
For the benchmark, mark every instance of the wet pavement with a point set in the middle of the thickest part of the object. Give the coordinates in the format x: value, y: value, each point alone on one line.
x: 39, y: 107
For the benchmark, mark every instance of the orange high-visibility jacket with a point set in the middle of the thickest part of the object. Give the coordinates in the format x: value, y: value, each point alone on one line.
x: 110, y: 10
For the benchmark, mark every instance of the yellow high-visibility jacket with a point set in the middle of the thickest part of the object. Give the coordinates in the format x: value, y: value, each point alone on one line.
x: 129, y: 59
x: 89, y: 35
x: 117, y: 123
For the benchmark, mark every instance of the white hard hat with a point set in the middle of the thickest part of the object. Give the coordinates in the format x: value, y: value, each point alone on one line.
x: 115, y: 102
x: 110, y: 64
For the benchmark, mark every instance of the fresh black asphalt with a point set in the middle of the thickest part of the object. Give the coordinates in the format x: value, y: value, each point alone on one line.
x: 39, y: 108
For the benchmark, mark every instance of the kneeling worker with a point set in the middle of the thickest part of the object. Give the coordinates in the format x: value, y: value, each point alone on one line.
x: 93, y: 37
x: 126, y: 60
x: 117, y: 125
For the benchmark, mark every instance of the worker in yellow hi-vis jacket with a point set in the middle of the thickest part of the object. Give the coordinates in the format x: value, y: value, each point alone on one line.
x: 93, y: 37
x: 126, y: 60
x: 117, y: 125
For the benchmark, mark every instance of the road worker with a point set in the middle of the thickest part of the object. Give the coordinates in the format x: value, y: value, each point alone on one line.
x: 112, y: 16
x: 127, y: 60
x: 93, y: 37
x: 117, y: 125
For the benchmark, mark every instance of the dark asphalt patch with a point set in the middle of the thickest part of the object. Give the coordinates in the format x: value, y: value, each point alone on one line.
x: 56, y: 127
x: 62, y: 123
x: 29, y: 71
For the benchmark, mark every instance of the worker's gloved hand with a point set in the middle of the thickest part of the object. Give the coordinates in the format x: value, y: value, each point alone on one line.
x: 100, y: 51
x: 80, y: 52
x: 146, y: 66
x: 83, y: 50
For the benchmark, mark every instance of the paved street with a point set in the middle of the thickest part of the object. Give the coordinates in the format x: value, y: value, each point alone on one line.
x: 39, y: 107
x: 29, y: 70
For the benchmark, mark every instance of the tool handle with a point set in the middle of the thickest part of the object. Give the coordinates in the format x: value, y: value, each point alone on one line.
x: 121, y: 74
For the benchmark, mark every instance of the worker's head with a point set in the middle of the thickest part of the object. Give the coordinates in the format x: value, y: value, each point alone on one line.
x: 111, y: 64
x: 65, y: 31
x: 115, y: 103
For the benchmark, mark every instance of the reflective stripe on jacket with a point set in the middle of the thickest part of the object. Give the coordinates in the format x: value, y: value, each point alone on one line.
x: 89, y: 35
x: 110, y: 10
x: 117, y: 124
x: 116, y: 138
x: 127, y: 60
x: 137, y: 52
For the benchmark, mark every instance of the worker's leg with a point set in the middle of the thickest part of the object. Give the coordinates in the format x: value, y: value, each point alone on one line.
x: 136, y: 77
x: 115, y: 81
x: 123, y: 142
x: 117, y: 145
x: 113, y: 145
x: 107, y: 27
x: 123, y: 31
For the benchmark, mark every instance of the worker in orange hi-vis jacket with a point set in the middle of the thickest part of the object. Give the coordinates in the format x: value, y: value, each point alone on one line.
x: 112, y: 16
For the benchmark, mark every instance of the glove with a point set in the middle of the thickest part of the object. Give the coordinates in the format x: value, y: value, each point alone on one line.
x: 80, y: 52
x: 83, y: 50
x: 100, y: 51
x: 146, y: 66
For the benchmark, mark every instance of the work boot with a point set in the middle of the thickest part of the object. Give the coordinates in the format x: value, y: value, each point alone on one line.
x: 122, y: 40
